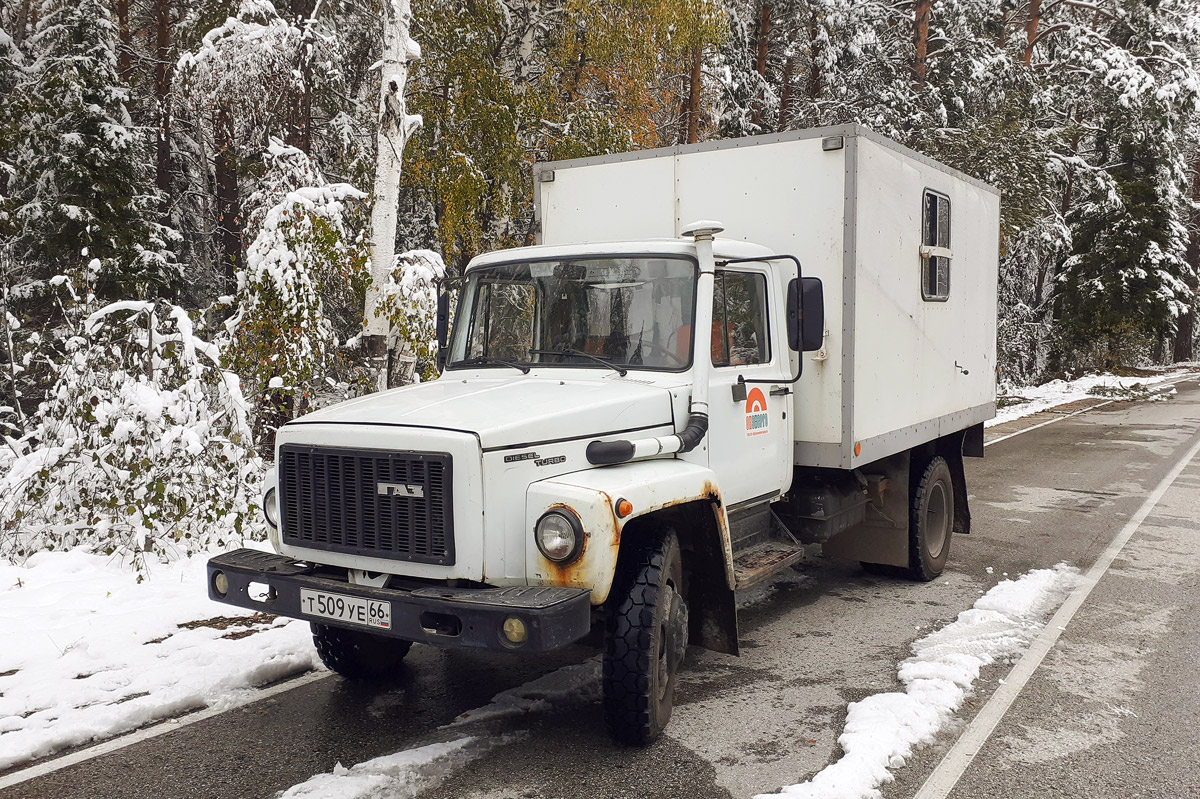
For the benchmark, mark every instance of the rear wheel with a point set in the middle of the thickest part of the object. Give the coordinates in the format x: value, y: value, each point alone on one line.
x: 358, y: 655
x: 645, y: 640
x: 931, y: 521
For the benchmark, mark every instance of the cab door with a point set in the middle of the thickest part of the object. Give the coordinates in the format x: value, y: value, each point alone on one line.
x: 750, y: 424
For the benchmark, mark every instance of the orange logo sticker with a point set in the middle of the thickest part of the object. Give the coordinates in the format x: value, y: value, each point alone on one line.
x: 756, y: 413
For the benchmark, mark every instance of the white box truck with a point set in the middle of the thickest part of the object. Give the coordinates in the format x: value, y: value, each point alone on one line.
x: 644, y: 414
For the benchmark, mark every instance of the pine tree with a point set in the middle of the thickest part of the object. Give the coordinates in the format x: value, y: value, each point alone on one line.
x: 80, y: 183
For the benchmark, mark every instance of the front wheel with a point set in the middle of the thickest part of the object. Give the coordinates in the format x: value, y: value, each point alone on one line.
x: 931, y: 521
x: 645, y: 640
x: 358, y: 655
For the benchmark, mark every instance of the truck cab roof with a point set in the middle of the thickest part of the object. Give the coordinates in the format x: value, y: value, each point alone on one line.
x: 722, y: 248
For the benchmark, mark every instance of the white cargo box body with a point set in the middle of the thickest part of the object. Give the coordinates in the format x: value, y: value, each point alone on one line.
x: 898, y: 368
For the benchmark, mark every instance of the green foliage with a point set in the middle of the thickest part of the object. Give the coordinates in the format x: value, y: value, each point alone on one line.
x: 410, y: 303
x: 307, y: 263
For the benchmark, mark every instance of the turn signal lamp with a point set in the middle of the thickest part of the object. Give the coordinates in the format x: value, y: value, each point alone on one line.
x: 271, y: 507
x: 514, y: 630
x: 624, y: 508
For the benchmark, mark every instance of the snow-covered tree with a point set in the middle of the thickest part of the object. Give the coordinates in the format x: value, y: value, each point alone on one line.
x: 79, y: 180
x: 306, y: 264
x: 409, y: 302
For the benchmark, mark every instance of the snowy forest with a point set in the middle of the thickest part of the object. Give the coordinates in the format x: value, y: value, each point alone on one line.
x: 186, y: 198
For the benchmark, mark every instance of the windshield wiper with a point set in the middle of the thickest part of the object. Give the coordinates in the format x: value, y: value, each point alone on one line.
x: 486, y: 360
x: 571, y: 351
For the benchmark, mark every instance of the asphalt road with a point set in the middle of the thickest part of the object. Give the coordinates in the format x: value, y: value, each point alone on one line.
x: 1112, y: 711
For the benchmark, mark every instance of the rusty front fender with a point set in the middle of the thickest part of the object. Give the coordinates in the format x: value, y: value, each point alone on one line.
x: 649, y: 486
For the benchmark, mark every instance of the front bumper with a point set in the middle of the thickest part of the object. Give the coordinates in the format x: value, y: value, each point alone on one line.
x: 448, y: 617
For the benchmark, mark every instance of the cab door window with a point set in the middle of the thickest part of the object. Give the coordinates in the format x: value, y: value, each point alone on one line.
x: 740, y: 331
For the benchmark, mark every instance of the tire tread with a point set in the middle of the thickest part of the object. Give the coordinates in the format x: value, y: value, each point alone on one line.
x: 358, y: 655
x: 627, y: 662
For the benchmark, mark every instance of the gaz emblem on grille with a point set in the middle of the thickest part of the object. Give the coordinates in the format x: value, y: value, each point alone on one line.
x: 399, y: 490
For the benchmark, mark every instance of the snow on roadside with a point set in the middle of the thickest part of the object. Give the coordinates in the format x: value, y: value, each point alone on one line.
x: 883, y: 730
x: 90, y: 653
x: 1060, y: 392
x: 405, y: 773
x: 400, y: 775
x: 577, y: 684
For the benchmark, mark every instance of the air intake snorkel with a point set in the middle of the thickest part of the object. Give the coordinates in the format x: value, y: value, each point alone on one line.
x: 610, y: 452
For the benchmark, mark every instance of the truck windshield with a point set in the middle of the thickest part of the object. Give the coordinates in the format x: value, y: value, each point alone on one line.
x: 595, y: 312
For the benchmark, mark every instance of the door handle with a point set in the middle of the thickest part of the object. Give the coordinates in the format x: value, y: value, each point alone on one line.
x: 780, y: 391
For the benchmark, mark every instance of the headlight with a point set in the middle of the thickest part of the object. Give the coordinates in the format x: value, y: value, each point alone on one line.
x: 271, y: 507
x: 559, y: 535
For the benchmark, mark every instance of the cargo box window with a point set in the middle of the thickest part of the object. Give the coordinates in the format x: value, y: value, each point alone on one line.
x: 935, y: 248
x: 739, y: 333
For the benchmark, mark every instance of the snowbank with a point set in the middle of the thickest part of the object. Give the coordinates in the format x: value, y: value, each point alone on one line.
x: 396, y: 776
x: 882, y: 731
x: 1060, y: 392
x: 90, y: 653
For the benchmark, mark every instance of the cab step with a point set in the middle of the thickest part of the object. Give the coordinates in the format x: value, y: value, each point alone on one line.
x: 759, y: 562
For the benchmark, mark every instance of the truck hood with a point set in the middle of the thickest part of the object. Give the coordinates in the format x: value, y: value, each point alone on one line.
x: 528, y: 409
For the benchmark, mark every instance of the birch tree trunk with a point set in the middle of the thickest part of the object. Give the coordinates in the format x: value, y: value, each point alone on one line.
x: 395, y: 128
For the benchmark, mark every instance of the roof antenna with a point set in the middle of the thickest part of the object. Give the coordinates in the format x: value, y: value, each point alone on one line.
x: 703, y: 229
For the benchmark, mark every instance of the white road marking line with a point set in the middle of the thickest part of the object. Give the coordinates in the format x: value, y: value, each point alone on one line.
x: 955, y: 763
x: 160, y: 728
x: 1048, y: 421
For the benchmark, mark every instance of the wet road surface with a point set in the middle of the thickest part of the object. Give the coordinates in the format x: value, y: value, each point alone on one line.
x: 1113, y: 703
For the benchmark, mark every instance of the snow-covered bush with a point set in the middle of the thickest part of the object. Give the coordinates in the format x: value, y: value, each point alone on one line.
x: 141, y: 450
x: 301, y: 287
x: 410, y: 303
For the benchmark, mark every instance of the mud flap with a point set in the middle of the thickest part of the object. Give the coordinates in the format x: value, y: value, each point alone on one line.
x: 713, y: 618
x: 951, y: 448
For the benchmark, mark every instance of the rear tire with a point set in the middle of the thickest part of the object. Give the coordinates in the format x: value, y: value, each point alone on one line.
x: 645, y: 639
x: 358, y: 655
x: 931, y: 522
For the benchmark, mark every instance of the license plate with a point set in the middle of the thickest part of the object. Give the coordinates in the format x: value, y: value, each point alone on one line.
x: 351, y: 609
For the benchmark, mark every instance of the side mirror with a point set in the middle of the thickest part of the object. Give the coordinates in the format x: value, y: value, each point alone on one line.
x: 812, y: 314
x: 805, y: 314
x: 795, y: 313
x: 443, y: 326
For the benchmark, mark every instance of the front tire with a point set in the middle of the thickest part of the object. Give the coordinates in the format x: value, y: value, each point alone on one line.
x: 645, y: 640
x: 931, y: 521
x: 358, y: 655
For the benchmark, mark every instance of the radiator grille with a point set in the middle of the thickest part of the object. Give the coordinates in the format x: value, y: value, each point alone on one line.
x: 358, y: 502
